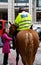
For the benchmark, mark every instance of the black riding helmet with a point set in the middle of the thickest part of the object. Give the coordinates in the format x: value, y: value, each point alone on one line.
x: 21, y: 9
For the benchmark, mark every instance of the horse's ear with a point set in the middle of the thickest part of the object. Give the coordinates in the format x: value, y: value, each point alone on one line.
x: 10, y: 23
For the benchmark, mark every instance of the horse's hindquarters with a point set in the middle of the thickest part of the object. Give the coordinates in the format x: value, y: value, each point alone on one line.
x: 27, y: 44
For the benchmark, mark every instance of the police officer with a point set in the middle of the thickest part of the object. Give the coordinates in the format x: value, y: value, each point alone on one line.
x: 23, y: 20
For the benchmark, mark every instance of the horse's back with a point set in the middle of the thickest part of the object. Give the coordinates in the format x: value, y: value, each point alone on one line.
x: 25, y: 33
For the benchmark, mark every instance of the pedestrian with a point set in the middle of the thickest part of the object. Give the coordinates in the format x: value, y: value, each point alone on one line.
x: 6, y: 45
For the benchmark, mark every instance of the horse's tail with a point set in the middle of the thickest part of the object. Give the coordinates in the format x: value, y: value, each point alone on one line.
x: 30, y: 48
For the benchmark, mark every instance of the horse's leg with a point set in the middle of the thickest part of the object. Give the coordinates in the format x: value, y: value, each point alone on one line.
x: 17, y: 57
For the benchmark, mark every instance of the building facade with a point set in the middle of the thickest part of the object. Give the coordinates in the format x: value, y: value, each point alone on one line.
x: 3, y: 9
x: 9, y: 8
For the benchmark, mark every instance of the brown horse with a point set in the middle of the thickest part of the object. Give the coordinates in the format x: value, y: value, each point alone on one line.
x: 27, y: 42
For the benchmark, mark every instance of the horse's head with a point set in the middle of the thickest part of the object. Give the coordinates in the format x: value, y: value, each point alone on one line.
x: 12, y: 29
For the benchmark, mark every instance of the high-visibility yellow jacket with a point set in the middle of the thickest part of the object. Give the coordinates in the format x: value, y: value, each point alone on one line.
x: 23, y: 21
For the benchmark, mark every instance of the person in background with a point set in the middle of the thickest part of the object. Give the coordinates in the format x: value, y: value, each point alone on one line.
x: 6, y: 45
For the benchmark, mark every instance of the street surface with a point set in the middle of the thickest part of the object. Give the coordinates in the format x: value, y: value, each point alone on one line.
x: 12, y: 57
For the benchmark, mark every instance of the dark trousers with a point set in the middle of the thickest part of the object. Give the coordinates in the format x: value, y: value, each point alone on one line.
x: 5, y: 59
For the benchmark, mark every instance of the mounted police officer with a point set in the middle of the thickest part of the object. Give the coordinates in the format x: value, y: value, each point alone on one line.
x: 23, y: 20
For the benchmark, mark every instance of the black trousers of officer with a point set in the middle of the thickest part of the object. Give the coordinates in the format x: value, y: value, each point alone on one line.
x: 5, y: 59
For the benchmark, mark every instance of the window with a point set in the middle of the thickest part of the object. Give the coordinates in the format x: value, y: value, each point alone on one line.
x: 21, y: 1
x: 3, y: 0
x: 38, y: 16
x: 0, y: 25
x: 38, y: 3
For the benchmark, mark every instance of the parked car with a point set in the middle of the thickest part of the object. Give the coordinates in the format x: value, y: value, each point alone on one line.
x: 38, y: 30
